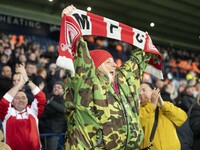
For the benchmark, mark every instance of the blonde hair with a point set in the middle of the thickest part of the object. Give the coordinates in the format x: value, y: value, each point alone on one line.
x: 102, y: 69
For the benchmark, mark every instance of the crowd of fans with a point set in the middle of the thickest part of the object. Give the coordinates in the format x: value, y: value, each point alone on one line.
x: 181, y: 68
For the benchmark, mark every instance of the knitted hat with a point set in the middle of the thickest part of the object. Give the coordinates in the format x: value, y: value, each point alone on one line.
x: 60, y: 83
x: 99, y: 56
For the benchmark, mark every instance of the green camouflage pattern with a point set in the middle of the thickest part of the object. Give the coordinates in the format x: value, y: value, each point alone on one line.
x: 97, y: 117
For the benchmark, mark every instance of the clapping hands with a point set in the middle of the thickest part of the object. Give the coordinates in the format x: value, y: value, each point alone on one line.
x: 22, y: 71
x: 156, y: 98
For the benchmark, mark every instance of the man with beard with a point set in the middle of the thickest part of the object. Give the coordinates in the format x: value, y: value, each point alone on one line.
x: 53, y: 119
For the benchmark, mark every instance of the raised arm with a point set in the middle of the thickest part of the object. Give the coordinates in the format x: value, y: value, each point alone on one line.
x: 21, y: 70
x: 13, y: 91
x: 136, y: 65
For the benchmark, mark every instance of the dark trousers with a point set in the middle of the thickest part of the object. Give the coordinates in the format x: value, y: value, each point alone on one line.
x: 50, y: 143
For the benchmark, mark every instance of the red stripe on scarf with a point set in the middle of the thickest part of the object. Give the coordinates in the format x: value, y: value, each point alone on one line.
x: 126, y: 33
x: 98, y: 25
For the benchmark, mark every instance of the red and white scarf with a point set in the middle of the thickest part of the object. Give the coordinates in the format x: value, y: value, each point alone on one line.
x: 85, y: 23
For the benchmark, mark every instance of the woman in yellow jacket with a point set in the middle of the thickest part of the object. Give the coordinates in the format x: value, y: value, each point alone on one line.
x: 169, y: 117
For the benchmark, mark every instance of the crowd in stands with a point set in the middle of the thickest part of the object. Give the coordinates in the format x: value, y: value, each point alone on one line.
x: 181, y: 68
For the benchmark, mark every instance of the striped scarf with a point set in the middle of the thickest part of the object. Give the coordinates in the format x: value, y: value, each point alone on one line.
x: 85, y: 23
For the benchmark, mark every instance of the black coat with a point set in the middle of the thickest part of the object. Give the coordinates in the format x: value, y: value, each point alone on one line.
x: 5, y: 85
x: 187, y: 101
x: 195, y: 125
x: 185, y: 136
x: 53, y: 118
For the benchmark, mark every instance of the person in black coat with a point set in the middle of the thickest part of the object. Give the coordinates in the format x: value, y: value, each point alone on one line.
x: 53, y: 117
x: 194, y: 120
x: 185, y: 135
x: 5, y: 80
x: 188, y: 97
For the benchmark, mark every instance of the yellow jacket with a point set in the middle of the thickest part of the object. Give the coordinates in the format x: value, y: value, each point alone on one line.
x: 165, y: 136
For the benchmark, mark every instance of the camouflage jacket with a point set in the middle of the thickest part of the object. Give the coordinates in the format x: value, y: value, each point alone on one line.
x: 98, y: 118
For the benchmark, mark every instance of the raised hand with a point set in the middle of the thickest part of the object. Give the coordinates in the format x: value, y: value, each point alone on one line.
x: 68, y: 10
x: 21, y: 70
x: 155, y: 96
x: 160, y: 102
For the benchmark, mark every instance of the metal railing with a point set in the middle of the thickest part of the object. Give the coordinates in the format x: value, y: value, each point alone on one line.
x: 43, y: 137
